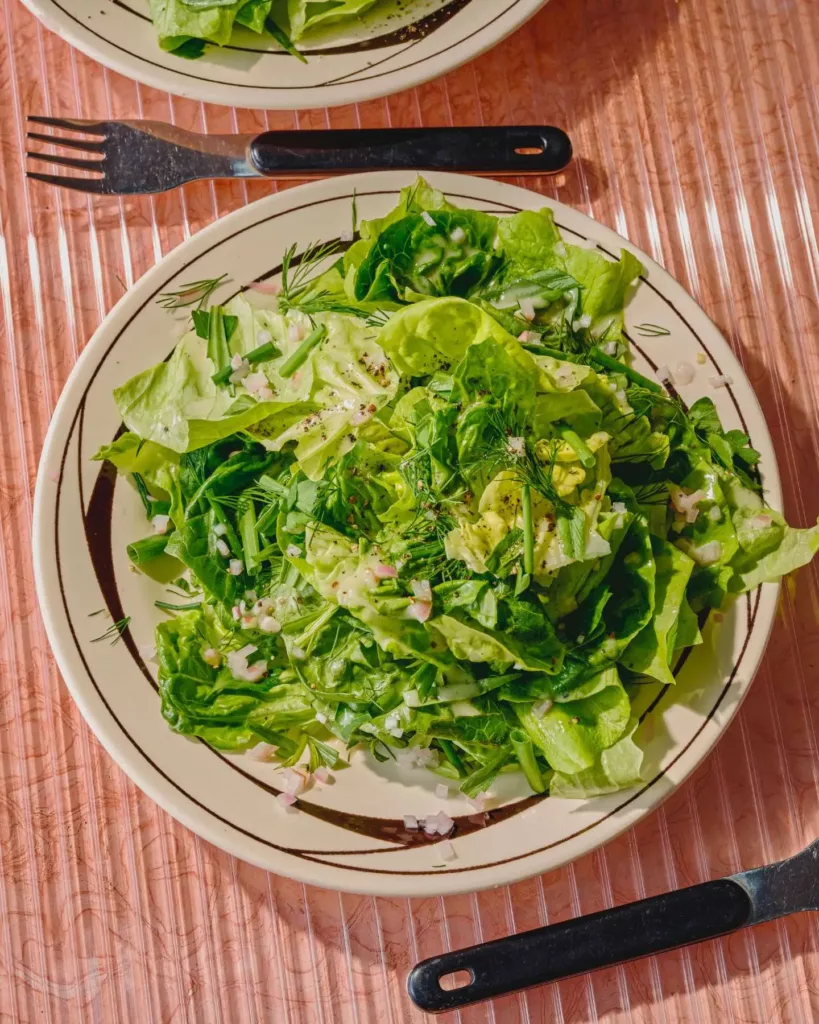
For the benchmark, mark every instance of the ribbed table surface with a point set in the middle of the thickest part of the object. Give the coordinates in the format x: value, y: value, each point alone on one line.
x: 696, y: 129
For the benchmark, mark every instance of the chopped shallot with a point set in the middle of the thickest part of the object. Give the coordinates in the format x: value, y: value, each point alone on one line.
x: 384, y: 572
x: 419, y: 610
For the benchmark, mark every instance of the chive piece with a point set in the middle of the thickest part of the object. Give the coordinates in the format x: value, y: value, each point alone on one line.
x: 283, y: 39
x: 452, y: 756
x: 525, y: 753
x: 257, y: 355
x: 168, y: 607
x: 617, y: 367
x: 147, y: 549
x: 250, y: 537
x: 546, y: 350
x: 299, y: 357
x: 584, y: 454
x: 528, y: 532
x: 218, y: 343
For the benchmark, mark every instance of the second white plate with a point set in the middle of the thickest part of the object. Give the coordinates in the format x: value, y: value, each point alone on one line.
x: 391, y: 48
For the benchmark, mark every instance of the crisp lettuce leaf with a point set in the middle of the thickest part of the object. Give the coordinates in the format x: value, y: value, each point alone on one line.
x: 796, y: 549
x: 651, y: 652
x: 434, y: 335
x: 604, y: 288
x: 619, y: 767
x: 572, y: 734
x: 306, y: 15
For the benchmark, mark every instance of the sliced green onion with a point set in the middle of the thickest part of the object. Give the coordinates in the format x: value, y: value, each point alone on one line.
x: 299, y: 357
x: 598, y: 356
x: 148, y: 548
x: 257, y: 355
x: 452, y: 756
x: 585, y: 455
x: 528, y: 532
x: 525, y: 753
x: 250, y: 537
x: 168, y: 607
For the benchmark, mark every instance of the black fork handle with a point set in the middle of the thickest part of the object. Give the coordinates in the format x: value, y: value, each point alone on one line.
x: 492, y: 150
x: 584, y: 944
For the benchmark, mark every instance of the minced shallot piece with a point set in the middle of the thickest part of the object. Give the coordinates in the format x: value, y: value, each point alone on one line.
x: 662, y: 373
x: 267, y: 624
x: 346, y: 235
x: 384, y: 572
x: 442, y: 791
x: 686, y: 504
x: 422, y: 590
x: 322, y: 774
x: 707, y: 554
x: 527, y: 308
x: 222, y: 548
x: 292, y: 551
x: 528, y: 336
x: 254, y: 382
x: 412, y: 698
x: 293, y: 782
x: 683, y: 374
x: 219, y: 530
x: 160, y: 523
x: 287, y: 801
x: 235, y: 567
x: 440, y: 824
x: 262, y: 752
x: 721, y: 380
x: 419, y: 610
x: 427, y: 218
x: 448, y: 851
x: 516, y: 446
x: 410, y: 822
x: 714, y: 514
x: 458, y: 235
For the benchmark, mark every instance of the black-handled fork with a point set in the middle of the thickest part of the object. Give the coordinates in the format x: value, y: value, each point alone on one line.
x: 140, y: 157
x: 615, y: 936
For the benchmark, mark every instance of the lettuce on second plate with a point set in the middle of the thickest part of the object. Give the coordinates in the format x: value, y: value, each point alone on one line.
x: 186, y: 27
x: 422, y: 504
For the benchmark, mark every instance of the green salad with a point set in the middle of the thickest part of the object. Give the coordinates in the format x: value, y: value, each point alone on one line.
x: 187, y: 27
x: 419, y: 502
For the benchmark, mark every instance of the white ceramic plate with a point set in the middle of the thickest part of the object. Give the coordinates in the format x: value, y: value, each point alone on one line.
x: 346, y: 836
x: 394, y: 47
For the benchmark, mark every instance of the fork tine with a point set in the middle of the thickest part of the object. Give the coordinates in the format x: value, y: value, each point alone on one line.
x: 96, y: 185
x: 57, y: 140
x: 77, y: 125
x: 68, y: 161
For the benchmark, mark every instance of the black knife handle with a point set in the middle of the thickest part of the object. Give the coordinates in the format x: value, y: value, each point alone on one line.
x: 584, y: 944
x: 500, y: 150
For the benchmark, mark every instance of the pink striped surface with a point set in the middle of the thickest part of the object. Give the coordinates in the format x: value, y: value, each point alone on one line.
x: 696, y: 126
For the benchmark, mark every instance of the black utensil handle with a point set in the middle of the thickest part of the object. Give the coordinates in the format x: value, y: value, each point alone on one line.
x: 584, y: 944
x: 499, y: 150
